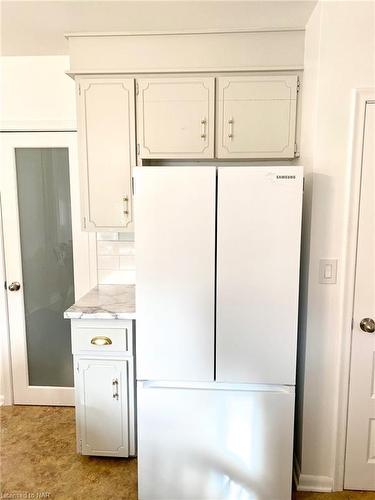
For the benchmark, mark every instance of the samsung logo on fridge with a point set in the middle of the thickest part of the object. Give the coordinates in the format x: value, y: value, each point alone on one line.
x: 285, y: 176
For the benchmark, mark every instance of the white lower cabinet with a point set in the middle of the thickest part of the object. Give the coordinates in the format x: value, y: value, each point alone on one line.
x: 104, y: 384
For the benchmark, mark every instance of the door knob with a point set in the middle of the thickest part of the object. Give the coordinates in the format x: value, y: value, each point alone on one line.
x: 14, y: 287
x: 367, y: 325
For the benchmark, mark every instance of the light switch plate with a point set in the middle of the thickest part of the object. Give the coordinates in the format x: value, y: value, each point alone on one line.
x: 328, y: 271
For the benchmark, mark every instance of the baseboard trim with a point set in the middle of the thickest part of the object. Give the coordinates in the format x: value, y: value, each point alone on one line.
x: 308, y: 482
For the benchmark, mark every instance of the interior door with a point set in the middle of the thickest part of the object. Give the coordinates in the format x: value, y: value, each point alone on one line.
x: 103, y: 407
x: 175, y: 258
x: 360, y: 446
x: 176, y: 117
x: 258, y: 256
x: 40, y: 203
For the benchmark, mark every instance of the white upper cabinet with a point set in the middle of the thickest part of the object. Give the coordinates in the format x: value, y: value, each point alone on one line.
x: 176, y: 117
x: 106, y: 131
x: 256, y: 116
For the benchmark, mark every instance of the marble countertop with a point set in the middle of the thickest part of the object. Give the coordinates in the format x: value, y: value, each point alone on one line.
x: 105, y: 302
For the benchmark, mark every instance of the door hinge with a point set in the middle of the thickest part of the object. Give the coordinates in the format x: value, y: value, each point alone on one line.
x: 5, y: 285
x: 303, y: 185
x: 133, y: 185
x: 80, y: 446
x: 298, y: 85
x: 136, y: 88
x: 296, y: 153
x: 79, y: 89
x: 84, y: 223
x: 138, y: 149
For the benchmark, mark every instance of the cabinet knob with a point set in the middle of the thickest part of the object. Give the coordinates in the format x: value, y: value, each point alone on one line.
x: 101, y: 340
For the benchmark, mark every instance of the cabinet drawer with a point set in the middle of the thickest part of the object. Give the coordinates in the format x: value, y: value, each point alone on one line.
x: 101, y: 340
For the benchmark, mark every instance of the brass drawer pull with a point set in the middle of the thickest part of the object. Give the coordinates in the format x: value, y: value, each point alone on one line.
x: 101, y: 340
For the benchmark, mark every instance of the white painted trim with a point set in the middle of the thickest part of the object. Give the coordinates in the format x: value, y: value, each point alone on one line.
x: 181, y: 32
x: 38, y: 126
x: 6, y: 398
x: 359, y: 99
x: 223, y: 52
x: 156, y: 71
x: 308, y: 482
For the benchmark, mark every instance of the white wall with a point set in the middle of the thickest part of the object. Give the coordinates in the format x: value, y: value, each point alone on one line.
x: 339, y: 57
x: 36, y: 94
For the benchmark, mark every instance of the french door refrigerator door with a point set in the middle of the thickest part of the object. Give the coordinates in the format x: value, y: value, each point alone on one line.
x: 175, y: 256
x: 258, y: 257
x: 214, y: 441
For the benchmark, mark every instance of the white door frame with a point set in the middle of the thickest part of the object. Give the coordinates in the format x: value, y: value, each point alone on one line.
x: 6, y: 387
x: 84, y: 257
x: 361, y: 97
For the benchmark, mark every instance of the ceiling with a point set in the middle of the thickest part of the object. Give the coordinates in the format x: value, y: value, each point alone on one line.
x: 37, y: 27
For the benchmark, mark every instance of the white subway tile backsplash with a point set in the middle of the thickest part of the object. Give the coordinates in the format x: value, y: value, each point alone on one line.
x: 127, y: 262
x: 126, y: 237
x: 108, y: 262
x: 116, y: 258
x: 107, y: 236
x: 115, y: 247
x: 116, y: 277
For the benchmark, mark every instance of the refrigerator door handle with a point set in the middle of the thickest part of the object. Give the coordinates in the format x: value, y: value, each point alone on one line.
x: 215, y: 386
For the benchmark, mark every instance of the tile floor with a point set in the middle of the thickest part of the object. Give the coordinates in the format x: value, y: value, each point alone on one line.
x: 38, y: 460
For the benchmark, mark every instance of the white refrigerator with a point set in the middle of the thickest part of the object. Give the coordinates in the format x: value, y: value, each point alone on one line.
x: 217, y: 252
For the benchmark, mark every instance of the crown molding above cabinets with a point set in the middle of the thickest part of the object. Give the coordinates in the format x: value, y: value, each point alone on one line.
x: 229, y: 51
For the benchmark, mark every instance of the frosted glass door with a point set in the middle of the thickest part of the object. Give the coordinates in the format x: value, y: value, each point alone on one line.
x: 47, y: 262
x: 39, y: 183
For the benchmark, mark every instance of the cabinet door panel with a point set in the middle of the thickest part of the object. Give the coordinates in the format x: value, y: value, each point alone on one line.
x: 103, y: 407
x: 176, y: 117
x: 107, y: 152
x: 256, y: 117
x: 258, y: 254
x: 175, y: 252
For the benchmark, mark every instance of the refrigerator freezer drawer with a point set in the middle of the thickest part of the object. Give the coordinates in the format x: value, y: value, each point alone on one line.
x: 214, y: 442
